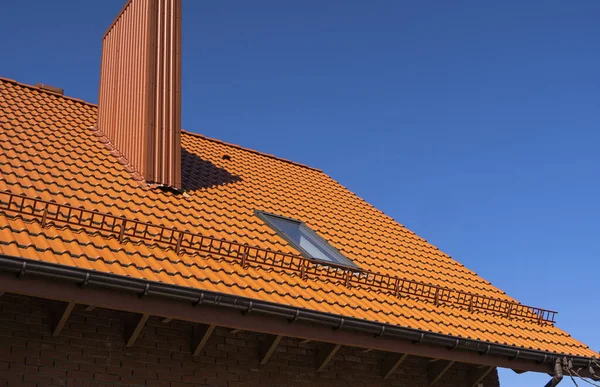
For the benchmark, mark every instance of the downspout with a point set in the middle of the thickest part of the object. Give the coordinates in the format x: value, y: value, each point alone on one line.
x: 558, y: 375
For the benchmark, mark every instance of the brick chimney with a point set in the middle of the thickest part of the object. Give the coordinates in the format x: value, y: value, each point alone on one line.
x: 139, y: 104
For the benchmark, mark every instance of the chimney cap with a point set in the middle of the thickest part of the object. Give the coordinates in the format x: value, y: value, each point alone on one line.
x: 51, y: 89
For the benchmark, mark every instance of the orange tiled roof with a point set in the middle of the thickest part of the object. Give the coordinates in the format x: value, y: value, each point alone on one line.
x: 49, y: 150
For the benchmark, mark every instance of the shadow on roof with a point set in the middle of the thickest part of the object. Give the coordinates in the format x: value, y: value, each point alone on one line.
x: 197, y: 173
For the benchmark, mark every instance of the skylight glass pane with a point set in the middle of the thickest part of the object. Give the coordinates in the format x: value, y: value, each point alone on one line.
x: 305, y: 239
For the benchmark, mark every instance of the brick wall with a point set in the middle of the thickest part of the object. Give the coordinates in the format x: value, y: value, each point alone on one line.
x: 91, y: 351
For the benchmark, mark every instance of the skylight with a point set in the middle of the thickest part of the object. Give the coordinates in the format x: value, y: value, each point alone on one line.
x: 308, y: 242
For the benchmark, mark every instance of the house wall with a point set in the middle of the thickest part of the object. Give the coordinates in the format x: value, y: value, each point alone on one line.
x: 90, y: 351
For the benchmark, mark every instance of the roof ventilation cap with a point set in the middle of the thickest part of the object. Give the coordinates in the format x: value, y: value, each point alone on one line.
x: 51, y: 89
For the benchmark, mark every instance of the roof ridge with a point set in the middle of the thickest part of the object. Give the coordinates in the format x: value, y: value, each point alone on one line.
x: 9, y: 80
x: 250, y: 150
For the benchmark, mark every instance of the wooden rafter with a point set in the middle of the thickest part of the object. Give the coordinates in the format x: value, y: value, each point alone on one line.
x: 201, y: 335
x: 324, y: 355
x: 268, y: 347
x: 436, y: 370
x: 61, y: 316
x: 253, y: 322
x: 133, y: 329
x: 477, y: 374
x: 391, y: 364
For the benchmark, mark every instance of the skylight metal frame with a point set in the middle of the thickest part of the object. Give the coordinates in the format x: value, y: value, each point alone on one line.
x: 345, y: 261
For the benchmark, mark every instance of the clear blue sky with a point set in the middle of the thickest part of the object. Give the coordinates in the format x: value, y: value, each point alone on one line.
x: 474, y: 123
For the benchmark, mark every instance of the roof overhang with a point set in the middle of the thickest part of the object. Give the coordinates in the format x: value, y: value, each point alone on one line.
x: 89, y: 287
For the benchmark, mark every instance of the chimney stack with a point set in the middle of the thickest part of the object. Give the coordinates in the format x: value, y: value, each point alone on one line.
x: 139, y: 104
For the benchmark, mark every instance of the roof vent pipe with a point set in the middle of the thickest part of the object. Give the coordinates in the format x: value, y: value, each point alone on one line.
x: 558, y: 375
x: 139, y: 103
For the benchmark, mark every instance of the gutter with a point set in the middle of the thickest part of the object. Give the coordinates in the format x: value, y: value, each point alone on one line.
x: 82, y: 277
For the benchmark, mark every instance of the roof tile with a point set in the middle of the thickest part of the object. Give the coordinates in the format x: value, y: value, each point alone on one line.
x: 48, y: 150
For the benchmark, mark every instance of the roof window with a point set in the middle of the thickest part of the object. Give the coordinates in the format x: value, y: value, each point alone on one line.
x: 304, y: 239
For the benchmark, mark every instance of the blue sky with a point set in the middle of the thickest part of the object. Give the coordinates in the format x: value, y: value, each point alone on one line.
x: 474, y: 123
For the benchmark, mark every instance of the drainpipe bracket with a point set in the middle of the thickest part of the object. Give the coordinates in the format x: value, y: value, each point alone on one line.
x: 420, y: 339
x: 248, y: 309
x: 23, y: 269
x: 296, y: 317
x: 85, y: 280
